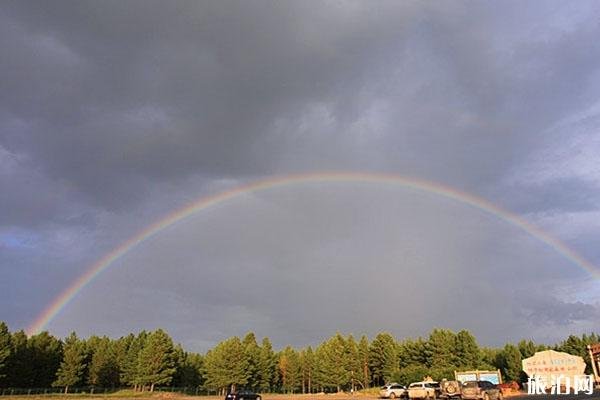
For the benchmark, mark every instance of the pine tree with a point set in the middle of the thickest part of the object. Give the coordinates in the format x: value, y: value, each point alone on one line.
x: 489, y: 358
x: 189, y: 369
x: 252, y: 352
x: 440, y: 349
x: 383, y: 359
x: 5, y: 349
x: 46, y: 354
x: 338, y: 363
x: 226, y: 365
x: 573, y: 345
x: 120, y: 347
x: 578, y: 346
x: 527, y: 348
x: 363, y: 358
x: 467, y: 350
x: 266, y: 366
x: 179, y: 357
x: 307, y: 366
x: 333, y: 366
x: 353, y: 365
x: 103, y: 368
x: 156, y: 365
x: 412, y: 352
x: 418, y: 351
x: 509, y: 361
x: 19, y: 369
x: 290, y: 370
x: 73, y: 364
x: 411, y: 373
x: 130, y: 369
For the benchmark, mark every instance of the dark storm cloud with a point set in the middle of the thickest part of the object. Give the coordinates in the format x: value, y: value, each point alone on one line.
x: 115, y: 113
x: 134, y: 91
x: 117, y: 95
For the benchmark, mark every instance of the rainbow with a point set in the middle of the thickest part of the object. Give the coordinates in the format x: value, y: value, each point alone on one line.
x: 274, y: 182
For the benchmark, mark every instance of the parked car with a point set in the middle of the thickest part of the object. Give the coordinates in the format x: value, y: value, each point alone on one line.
x: 243, y: 394
x: 480, y: 390
x: 423, y: 390
x: 450, y: 389
x: 392, y: 391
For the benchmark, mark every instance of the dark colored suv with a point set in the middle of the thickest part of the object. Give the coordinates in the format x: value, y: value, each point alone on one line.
x: 243, y: 395
x: 480, y: 390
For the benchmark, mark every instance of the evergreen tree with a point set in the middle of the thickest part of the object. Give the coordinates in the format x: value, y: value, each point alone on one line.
x: 411, y: 373
x: 383, y: 360
x: 333, y: 366
x: 73, y: 363
x: 103, y: 368
x: 363, y: 358
x: 307, y: 365
x: 267, y: 367
x: 489, y: 358
x: 179, y: 357
x: 5, y: 350
x: 578, y: 347
x: 412, y: 352
x: 226, y: 365
x: 189, y: 369
x: 509, y: 362
x: 338, y: 363
x: 573, y: 345
x: 130, y: 373
x: 120, y: 348
x: 290, y: 370
x: 467, y: 350
x: 252, y: 352
x: 156, y: 365
x: 19, y: 371
x: 527, y: 348
x: 353, y: 365
x: 318, y: 378
x: 440, y: 349
x: 46, y: 354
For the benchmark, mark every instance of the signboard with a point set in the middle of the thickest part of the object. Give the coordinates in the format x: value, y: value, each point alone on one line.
x: 490, y: 376
x: 462, y: 377
x: 549, y: 363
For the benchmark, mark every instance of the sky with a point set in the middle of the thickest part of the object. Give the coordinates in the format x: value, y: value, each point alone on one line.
x: 115, y: 114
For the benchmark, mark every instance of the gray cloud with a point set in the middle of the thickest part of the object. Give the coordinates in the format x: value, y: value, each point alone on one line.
x: 300, y: 263
x: 115, y: 113
x: 136, y: 95
x: 560, y: 313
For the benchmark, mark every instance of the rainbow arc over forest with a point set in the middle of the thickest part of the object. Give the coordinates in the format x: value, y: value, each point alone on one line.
x: 205, y: 203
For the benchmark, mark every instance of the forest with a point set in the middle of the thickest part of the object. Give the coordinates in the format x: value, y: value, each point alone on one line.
x: 147, y: 360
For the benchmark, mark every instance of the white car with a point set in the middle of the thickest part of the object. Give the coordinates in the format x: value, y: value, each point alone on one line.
x: 423, y: 390
x: 393, y: 391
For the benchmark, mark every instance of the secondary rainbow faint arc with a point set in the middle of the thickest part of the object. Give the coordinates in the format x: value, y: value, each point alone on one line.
x: 206, y: 202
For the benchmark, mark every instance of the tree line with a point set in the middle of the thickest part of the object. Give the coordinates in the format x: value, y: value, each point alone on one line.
x: 148, y: 359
